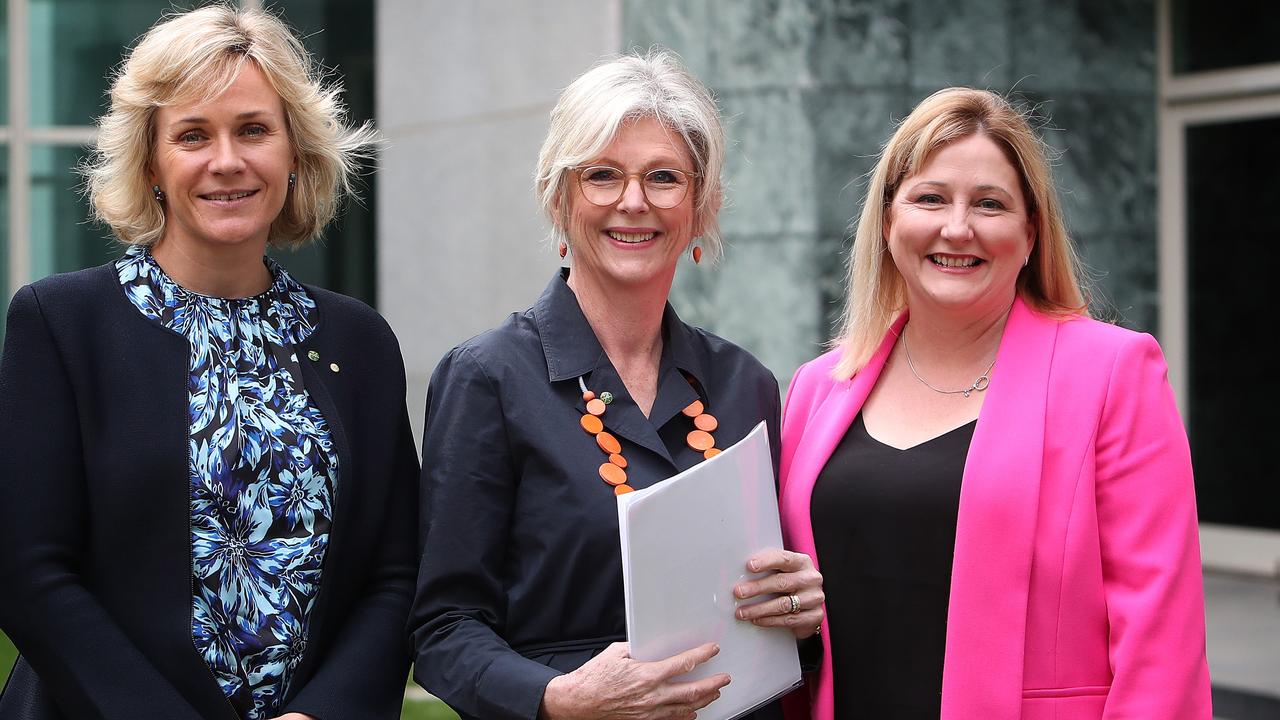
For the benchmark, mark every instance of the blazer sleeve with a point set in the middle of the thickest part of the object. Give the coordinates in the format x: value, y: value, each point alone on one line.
x: 362, y: 675
x: 1149, y: 542
x: 469, y: 481
x: 83, y: 657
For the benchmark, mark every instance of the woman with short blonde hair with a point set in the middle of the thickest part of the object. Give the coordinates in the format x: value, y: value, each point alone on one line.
x: 207, y: 496
x: 195, y: 57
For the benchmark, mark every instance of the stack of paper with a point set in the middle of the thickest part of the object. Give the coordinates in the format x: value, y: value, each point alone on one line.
x: 685, y: 544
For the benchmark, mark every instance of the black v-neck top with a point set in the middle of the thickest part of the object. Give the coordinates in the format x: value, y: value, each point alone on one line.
x: 884, y: 523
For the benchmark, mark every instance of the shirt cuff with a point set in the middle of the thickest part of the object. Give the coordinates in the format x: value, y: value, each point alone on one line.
x: 512, y: 687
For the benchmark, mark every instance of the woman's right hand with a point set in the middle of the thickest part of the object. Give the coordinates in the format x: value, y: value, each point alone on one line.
x: 614, y: 686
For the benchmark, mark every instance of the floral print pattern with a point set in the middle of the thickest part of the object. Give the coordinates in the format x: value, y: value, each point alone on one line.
x: 263, y: 476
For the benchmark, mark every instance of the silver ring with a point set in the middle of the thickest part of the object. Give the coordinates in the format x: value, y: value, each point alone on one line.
x: 795, y: 604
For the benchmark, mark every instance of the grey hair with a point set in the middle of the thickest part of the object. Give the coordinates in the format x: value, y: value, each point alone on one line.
x: 623, y: 88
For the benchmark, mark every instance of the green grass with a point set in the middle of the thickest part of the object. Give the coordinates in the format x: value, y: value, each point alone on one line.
x: 8, y: 655
x: 426, y: 710
x: 413, y: 709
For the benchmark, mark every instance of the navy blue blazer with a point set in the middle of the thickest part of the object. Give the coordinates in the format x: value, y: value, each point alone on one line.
x: 522, y: 575
x: 95, y: 543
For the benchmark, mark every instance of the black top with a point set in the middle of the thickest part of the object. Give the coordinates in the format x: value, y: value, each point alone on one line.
x: 522, y: 578
x: 884, y: 524
x: 95, y: 537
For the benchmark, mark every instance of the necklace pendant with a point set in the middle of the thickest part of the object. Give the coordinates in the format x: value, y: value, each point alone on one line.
x: 966, y: 392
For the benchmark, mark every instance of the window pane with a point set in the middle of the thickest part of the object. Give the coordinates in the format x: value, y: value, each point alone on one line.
x: 74, y: 46
x: 1231, y: 231
x: 62, y: 238
x: 1224, y: 34
x: 340, y: 34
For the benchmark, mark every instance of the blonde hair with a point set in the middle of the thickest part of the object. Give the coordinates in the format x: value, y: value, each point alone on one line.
x: 1050, y: 283
x: 194, y: 57
x: 590, y: 111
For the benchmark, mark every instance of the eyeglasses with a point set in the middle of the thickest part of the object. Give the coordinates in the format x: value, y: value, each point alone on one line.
x: 663, y: 188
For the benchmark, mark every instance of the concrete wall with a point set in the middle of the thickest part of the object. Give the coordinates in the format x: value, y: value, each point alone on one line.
x: 464, y: 93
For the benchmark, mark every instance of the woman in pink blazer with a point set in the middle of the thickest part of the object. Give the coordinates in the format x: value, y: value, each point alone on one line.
x: 996, y: 488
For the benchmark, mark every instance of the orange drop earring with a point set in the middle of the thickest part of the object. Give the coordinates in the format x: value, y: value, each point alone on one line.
x: 697, y: 254
x: 564, y: 248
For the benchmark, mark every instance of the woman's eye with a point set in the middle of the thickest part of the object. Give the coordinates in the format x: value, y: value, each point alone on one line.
x: 190, y: 136
x: 990, y: 204
x: 663, y: 177
x: 929, y: 199
x: 601, y: 175
x: 255, y: 130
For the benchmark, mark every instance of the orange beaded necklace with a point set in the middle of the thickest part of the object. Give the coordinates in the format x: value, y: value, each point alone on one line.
x: 614, y: 471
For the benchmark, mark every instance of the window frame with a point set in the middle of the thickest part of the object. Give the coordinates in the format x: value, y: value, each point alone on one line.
x: 1187, y: 100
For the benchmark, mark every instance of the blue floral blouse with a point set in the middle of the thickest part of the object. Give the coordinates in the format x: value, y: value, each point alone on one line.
x: 263, y: 476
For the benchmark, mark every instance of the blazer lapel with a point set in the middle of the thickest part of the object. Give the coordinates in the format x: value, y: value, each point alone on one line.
x: 825, y: 427
x: 995, y: 529
x: 820, y: 439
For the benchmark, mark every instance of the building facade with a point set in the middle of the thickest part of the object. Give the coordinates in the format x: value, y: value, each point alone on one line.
x: 1164, y: 115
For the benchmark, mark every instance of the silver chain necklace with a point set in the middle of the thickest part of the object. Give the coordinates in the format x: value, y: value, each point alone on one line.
x: 978, y: 385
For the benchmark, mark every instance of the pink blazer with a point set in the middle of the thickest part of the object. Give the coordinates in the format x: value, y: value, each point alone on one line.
x: 1076, y: 587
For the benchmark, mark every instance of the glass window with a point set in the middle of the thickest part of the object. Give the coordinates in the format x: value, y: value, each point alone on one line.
x: 62, y: 236
x: 1224, y: 34
x: 340, y: 34
x: 1231, y: 230
x: 74, y: 47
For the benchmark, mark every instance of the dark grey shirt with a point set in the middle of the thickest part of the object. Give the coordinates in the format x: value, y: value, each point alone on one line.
x: 522, y: 577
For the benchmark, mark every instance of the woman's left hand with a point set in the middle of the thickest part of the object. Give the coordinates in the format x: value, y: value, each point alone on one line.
x: 796, y: 580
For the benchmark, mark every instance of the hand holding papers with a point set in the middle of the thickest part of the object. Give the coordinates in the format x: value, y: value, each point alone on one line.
x: 685, y: 543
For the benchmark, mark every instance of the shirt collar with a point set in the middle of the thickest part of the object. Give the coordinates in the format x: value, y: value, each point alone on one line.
x: 570, y: 345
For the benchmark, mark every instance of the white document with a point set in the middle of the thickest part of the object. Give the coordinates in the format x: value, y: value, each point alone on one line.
x: 685, y: 544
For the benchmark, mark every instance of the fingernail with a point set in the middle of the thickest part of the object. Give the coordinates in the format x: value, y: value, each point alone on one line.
x: 754, y: 565
x: 742, y: 615
x: 740, y: 591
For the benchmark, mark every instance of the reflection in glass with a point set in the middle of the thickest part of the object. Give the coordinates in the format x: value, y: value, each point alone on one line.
x: 62, y: 236
x: 74, y: 47
x: 1232, y: 229
x: 1224, y: 34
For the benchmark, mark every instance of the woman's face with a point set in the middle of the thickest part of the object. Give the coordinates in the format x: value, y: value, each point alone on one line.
x: 224, y: 165
x: 632, y: 242
x: 959, y: 229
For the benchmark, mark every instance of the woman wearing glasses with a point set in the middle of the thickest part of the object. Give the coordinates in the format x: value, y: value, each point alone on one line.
x: 599, y: 389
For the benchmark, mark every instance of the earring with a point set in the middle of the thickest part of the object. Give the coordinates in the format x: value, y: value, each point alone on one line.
x: 1026, y: 260
x: 293, y: 180
x: 564, y: 248
x: 697, y: 254
x: 157, y: 193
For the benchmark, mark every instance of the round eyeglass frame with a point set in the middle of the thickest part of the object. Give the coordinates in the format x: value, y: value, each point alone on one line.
x: 580, y: 170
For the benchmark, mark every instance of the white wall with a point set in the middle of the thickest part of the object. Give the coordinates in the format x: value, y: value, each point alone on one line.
x: 464, y: 93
